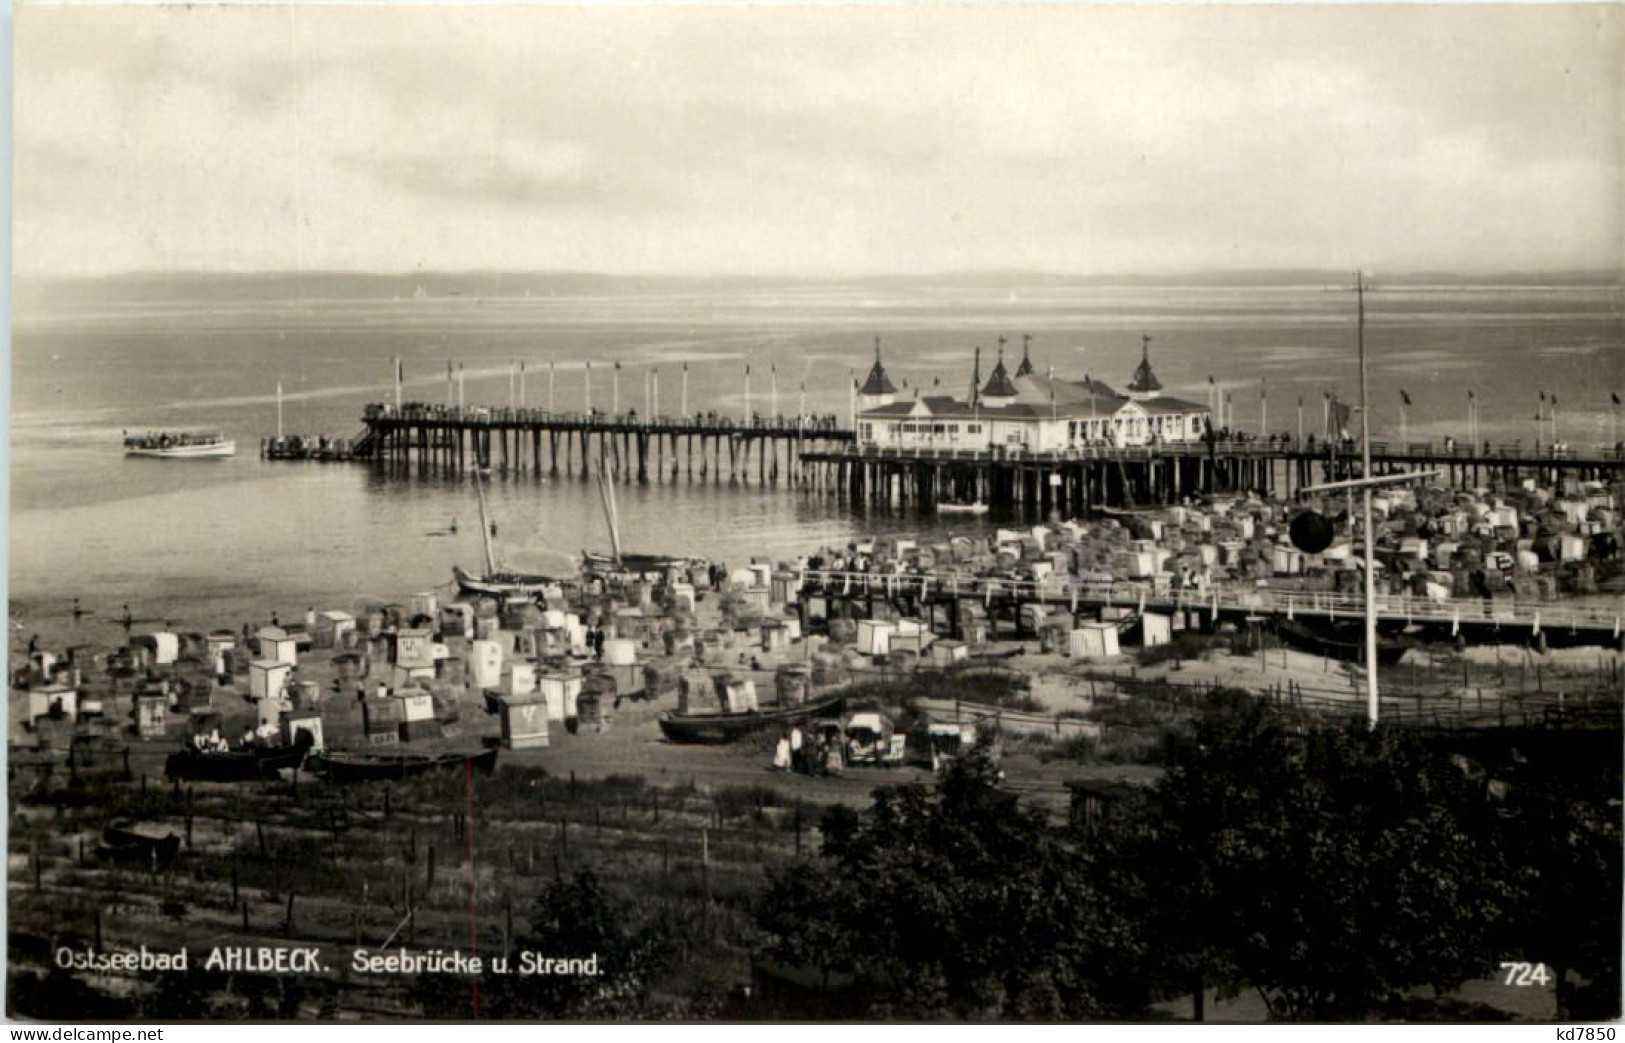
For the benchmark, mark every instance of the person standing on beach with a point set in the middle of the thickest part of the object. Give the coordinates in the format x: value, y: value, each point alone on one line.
x: 781, y: 754
x: 798, y: 751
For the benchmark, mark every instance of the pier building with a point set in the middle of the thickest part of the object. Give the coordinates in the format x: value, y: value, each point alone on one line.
x: 1028, y: 412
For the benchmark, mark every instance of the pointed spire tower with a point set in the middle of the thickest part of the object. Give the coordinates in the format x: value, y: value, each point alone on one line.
x: 1025, y: 369
x: 878, y: 389
x: 999, y: 391
x: 1145, y: 383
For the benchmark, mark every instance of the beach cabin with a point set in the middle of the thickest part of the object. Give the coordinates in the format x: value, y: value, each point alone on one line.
x: 456, y: 620
x: 1093, y: 641
x: 485, y: 664
x: 53, y: 700
x: 414, y: 648
x: 425, y: 603
x: 296, y: 724
x: 151, y: 715
x: 277, y: 645
x: 267, y: 678
x: 560, y: 690
x: 874, y: 636
x: 525, y: 721
x: 620, y: 651
x: 775, y: 637
x: 331, y: 628
x: 1156, y: 629
x: 947, y: 652
x: 521, y: 679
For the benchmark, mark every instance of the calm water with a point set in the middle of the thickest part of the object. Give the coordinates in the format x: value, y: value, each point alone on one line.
x: 222, y: 541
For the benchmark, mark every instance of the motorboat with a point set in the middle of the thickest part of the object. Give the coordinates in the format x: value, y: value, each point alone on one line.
x: 180, y: 445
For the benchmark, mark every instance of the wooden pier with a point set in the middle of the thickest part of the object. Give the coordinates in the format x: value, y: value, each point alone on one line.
x: 820, y: 455
x: 637, y: 448
x: 1076, y: 480
x: 940, y: 598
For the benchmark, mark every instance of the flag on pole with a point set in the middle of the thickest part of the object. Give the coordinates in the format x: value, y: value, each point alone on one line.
x: 1404, y: 396
x: 1615, y: 395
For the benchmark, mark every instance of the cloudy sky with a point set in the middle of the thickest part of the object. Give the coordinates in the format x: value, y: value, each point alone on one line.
x: 817, y: 140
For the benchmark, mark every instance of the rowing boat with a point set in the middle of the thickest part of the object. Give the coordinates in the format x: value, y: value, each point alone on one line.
x: 727, y: 727
x: 341, y: 766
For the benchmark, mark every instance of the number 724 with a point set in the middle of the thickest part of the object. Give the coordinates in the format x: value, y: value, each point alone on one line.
x: 1524, y: 975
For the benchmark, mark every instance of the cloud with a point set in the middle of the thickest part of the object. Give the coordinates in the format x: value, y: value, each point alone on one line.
x: 820, y: 139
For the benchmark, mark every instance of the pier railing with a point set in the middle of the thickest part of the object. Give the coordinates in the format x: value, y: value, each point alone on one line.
x: 1068, y: 591
x: 1416, y: 451
x: 810, y: 425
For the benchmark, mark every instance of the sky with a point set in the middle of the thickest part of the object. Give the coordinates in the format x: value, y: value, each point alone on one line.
x: 818, y: 140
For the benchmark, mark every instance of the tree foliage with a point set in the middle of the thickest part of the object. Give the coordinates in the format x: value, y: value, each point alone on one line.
x: 574, y: 918
x: 956, y: 903
x: 1334, y: 869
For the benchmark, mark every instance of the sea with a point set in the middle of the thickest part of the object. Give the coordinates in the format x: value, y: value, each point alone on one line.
x: 208, y: 543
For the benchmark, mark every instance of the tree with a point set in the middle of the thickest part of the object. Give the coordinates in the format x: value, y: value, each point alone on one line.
x: 574, y: 919
x: 961, y: 902
x: 1334, y: 869
x: 1560, y: 831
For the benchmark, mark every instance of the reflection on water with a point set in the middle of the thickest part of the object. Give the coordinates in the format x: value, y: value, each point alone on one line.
x: 208, y: 541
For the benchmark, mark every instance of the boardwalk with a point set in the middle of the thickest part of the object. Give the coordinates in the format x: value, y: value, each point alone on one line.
x: 820, y: 454
x: 642, y: 447
x: 1476, y: 617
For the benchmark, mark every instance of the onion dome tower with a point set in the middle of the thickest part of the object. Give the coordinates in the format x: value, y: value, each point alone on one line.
x: 878, y: 389
x: 1025, y: 369
x: 999, y: 390
x: 1145, y: 383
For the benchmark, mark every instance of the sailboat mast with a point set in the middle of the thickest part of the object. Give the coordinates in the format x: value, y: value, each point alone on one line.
x: 1370, y: 540
x: 485, y: 527
x: 607, y: 493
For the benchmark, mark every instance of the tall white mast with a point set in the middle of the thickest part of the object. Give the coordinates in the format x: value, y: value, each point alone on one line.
x: 1370, y: 540
x: 485, y: 527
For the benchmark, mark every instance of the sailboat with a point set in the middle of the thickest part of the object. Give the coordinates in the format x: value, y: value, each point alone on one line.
x: 618, y: 562
x: 497, y: 582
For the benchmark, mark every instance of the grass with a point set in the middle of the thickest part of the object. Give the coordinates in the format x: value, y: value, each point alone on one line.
x: 357, y: 863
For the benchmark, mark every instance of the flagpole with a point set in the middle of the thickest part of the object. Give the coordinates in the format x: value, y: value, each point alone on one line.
x: 615, y: 390
x: 747, y: 392
x: 1263, y: 409
x: 279, y: 409
x: 510, y: 383
x: 451, y: 385
x: 1404, y: 424
x: 684, y: 403
x: 654, y: 379
x: 521, y: 383
x: 773, y: 371
x: 397, y: 383
x: 1300, y: 422
x: 460, y: 385
x: 1372, y: 704
x: 589, y: 386
x: 551, y: 372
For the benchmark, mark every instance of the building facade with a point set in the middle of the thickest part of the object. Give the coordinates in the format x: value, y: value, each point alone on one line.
x: 1029, y: 413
